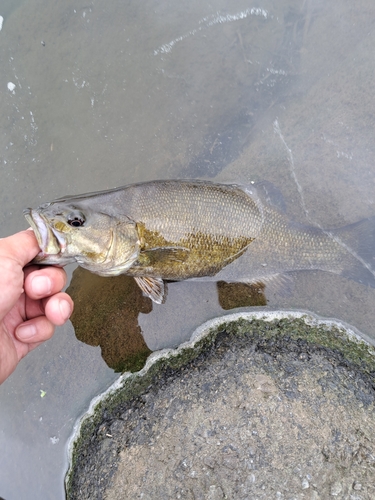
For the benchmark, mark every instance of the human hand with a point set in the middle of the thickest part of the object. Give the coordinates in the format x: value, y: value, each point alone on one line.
x: 31, y: 301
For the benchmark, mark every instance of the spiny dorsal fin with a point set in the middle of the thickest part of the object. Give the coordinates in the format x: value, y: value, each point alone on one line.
x: 152, y: 288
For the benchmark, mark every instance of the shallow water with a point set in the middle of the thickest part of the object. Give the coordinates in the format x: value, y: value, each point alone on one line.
x: 108, y: 94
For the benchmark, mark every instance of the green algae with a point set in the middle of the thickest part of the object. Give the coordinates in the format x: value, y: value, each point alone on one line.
x: 357, y: 352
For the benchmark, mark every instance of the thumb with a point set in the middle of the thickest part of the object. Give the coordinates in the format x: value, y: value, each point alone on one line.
x: 20, y: 247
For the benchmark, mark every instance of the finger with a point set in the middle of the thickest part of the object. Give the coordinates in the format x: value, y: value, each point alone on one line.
x: 44, y: 282
x: 35, y: 330
x: 58, y: 308
x: 21, y: 247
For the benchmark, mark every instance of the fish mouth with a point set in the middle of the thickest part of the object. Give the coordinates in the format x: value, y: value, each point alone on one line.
x: 52, y: 243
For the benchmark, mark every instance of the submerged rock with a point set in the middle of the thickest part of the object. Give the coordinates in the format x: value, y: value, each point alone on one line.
x: 106, y: 314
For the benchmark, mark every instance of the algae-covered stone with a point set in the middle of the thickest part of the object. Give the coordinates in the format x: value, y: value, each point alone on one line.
x: 255, y: 406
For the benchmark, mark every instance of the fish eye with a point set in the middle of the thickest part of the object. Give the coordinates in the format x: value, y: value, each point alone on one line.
x: 76, y: 219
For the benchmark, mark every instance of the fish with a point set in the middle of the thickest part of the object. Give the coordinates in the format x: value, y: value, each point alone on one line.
x: 173, y: 230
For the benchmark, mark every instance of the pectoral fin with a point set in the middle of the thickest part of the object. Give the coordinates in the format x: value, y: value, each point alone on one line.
x: 152, y: 288
x: 161, y: 255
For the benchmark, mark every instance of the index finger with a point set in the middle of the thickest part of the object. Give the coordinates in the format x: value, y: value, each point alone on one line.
x: 21, y: 247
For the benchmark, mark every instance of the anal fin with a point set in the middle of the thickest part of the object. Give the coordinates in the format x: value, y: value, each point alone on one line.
x: 152, y: 287
x: 278, y: 284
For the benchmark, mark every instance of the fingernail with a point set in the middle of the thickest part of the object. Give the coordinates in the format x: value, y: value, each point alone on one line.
x: 26, y: 332
x: 42, y: 285
x: 65, y: 309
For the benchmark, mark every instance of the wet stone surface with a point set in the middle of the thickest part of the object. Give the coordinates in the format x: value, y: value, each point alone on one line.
x: 265, y: 410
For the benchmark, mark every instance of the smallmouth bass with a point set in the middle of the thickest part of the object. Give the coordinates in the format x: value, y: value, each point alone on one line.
x: 177, y: 230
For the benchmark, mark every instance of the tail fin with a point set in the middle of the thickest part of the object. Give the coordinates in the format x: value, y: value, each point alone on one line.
x: 359, y: 240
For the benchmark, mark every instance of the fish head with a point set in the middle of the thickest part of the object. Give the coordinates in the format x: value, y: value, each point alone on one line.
x: 69, y: 232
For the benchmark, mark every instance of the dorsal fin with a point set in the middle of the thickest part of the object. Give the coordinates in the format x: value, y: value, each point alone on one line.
x: 271, y: 195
